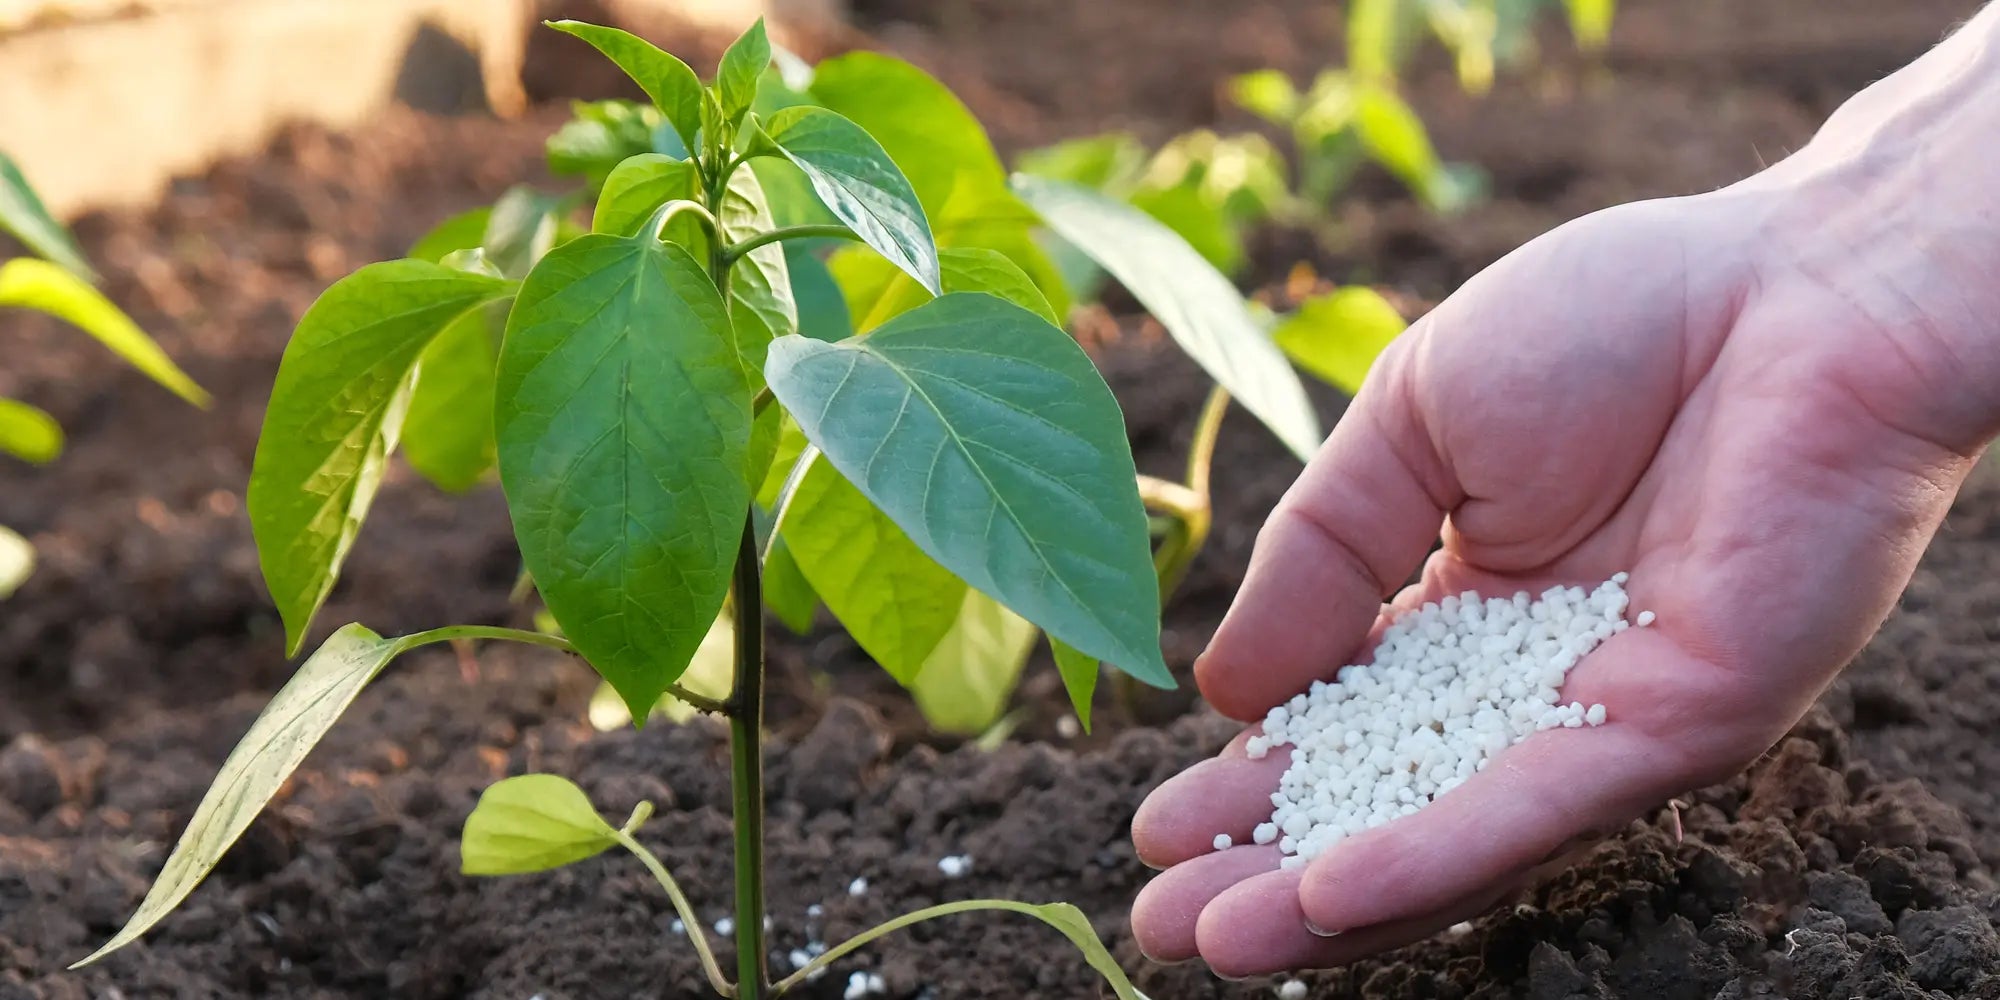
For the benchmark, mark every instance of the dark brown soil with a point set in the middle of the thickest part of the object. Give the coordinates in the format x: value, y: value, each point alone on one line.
x: 1856, y: 860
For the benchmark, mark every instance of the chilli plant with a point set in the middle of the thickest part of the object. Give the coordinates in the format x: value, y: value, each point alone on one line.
x: 58, y: 281
x: 645, y: 376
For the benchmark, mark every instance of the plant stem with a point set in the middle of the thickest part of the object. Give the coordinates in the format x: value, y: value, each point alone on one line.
x: 787, y: 233
x: 455, y: 632
x: 695, y: 933
x: 746, y: 760
x: 1201, y: 451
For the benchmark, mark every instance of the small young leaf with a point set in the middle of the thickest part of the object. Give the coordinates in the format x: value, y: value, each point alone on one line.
x: 23, y: 215
x: 623, y: 420
x: 464, y: 231
x: 601, y: 134
x: 1395, y: 137
x: 17, y: 562
x: 1338, y: 336
x: 895, y: 601
x: 335, y: 413
x: 531, y: 823
x: 28, y: 433
x: 671, y: 85
x: 760, y: 285
x: 821, y: 305
x: 1203, y: 312
x: 934, y: 139
x: 448, y: 431
x: 964, y: 270
x: 861, y: 185
x: 284, y: 733
x: 964, y: 685
x: 1267, y: 93
x: 44, y: 287
x: 743, y: 64
x: 989, y: 437
x: 1079, y: 677
x: 637, y: 188
x: 519, y: 230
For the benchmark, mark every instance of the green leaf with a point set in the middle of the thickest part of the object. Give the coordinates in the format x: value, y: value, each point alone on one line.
x: 897, y: 602
x: 861, y: 185
x: 1267, y: 93
x: 23, y: 215
x: 29, y: 433
x: 636, y: 188
x: 464, y: 231
x: 760, y: 284
x: 1203, y: 312
x: 1110, y: 162
x: 787, y: 593
x: 284, y: 733
x: 601, y: 134
x: 1590, y: 21
x: 623, y: 419
x: 964, y: 270
x: 930, y: 134
x: 1338, y: 336
x: 964, y: 685
x: 743, y: 63
x: 1079, y: 677
x: 1379, y: 34
x: 1208, y: 229
x: 531, y: 823
x: 39, y: 285
x: 336, y: 411
x: 448, y: 431
x: 711, y: 673
x: 989, y: 437
x: 1395, y: 137
x: 821, y: 306
x: 519, y: 230
x: 671, y: 85
x: 17, y: 561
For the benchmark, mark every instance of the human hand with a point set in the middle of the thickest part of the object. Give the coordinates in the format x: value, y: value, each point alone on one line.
x: 1696, y: 391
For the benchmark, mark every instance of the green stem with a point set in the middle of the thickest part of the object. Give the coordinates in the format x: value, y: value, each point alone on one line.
x: 841, y: 950
x: 1201, y: 451
x: 666, y: 212
x: 770, y: 236
x: 450, y: 632
x: 689, y: 921
x: 746, y: 761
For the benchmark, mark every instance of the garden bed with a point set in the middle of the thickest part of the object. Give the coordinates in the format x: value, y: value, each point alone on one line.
x: 1857, y: 859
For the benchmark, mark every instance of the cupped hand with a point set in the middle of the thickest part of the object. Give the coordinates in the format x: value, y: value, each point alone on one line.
x: 1661, y: 388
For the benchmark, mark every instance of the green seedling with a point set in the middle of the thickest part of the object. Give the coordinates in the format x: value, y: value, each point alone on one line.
x: 660, y: 426
x: 58, y: 281
x: 1481, y: 35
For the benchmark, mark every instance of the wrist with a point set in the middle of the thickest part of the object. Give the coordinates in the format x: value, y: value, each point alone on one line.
x: 1894, y: 210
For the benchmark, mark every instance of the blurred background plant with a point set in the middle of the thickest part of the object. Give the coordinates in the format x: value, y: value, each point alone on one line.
x: 59, y: 282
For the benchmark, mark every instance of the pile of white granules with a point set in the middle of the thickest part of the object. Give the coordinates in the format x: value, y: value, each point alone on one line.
x: 1451, y: 685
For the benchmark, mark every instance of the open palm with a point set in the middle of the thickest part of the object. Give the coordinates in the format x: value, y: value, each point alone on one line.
x: 1648, y: 389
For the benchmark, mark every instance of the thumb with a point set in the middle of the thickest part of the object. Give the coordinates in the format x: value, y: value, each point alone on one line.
x: 1356, y: 524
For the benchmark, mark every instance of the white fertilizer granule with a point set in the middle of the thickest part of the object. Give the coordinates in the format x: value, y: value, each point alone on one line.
x: 1450, y: 686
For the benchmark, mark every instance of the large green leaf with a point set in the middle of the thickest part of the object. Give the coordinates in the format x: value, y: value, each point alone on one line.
x: 448, y: 431
x: 821, y: 304
x: 624, y: 422
x: 37, y: 284
x: 284, y: 733
x: 1203, y: 312
x: 787, y: 593
x: 860, y: 184
x: 531, y: 823
x: 988, y: 436
x: 964, y: 685
x: 336, y: 411
x: 28, y: 433
x: 928, y: 132
x: 743, y: 63
x: 1338, y: 336
x: 23, y: 215
x: 897, y: 602
x: 671, y: 85
x: 964, y: 270
x: 17, y: 561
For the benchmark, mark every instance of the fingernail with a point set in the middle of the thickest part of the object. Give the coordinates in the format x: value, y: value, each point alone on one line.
x: 1319, y: 932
